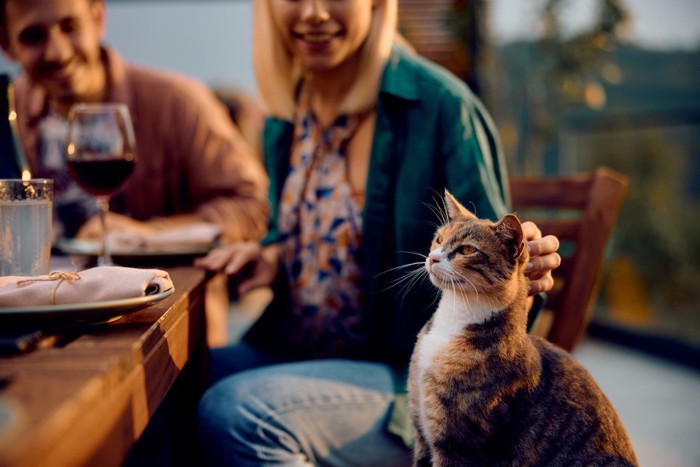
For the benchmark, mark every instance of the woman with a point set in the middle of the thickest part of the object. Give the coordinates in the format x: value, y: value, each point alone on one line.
x: 362, y: 140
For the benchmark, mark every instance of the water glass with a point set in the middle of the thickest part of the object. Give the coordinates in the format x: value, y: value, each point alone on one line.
x: 25, y: 226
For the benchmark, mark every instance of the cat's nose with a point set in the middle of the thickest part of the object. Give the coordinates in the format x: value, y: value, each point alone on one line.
x: 432, y: 260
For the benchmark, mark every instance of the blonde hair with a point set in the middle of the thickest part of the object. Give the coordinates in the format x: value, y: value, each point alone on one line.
x: 278, y: 73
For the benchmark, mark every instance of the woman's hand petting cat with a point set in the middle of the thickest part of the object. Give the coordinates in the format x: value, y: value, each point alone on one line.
x: 255, y: 265
x: 543, y: 258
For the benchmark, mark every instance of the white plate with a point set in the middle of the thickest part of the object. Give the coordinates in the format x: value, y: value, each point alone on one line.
x: 78, y: 312
x: 71, y: 246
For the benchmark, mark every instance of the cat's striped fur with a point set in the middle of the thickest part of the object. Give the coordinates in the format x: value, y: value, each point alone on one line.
x: 482, y: 391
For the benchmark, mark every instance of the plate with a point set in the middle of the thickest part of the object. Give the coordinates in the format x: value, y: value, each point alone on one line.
x: 71, y: 246
x: 88, y: 312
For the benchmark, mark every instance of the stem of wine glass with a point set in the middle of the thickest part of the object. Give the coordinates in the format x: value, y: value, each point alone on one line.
x: 104, y: 259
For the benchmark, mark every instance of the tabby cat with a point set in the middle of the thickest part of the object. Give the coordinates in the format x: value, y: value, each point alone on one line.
x: 482, y: 392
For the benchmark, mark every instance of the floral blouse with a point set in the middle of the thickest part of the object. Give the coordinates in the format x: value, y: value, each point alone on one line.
x: 320, y: 225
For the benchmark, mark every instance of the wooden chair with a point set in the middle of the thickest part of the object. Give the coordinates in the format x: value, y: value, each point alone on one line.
x: 581, y: 211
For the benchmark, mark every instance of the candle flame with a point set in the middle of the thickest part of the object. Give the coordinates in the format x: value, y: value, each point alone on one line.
x: 26, y: 175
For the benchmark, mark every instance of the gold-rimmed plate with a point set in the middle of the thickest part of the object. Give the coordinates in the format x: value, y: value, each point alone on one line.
x: 87, y: 312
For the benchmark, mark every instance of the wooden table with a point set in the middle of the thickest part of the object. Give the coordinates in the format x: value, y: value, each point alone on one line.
x: 85, y: 397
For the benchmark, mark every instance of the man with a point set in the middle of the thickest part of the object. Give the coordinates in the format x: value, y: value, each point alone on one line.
x: 192, y: 163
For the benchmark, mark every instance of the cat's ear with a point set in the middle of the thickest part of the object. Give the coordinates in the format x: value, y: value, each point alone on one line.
x: 454, y: 208
x: 510, y: 230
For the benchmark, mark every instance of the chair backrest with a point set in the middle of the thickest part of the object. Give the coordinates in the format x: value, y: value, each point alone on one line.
x: 581, y: 211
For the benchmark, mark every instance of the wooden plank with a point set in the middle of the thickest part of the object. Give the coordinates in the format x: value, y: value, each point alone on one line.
x: 559, y: 193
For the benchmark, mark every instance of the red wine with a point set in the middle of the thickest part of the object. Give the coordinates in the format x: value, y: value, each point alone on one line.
x: 101, y: 177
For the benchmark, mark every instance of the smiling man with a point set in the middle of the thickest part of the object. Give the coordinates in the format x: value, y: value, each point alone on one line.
x: 193, y: 164
x: 59, y: 48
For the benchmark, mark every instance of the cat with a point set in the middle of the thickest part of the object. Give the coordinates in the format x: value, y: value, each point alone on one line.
x: 483, y: 392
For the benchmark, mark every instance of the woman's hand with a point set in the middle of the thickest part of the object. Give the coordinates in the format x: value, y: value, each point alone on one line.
x: 543, y: 258
x: 256, y: 266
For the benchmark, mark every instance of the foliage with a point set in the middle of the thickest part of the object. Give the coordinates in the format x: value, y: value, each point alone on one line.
x: 561, y: 72
x: 658, y: 230
x: 572, y: 61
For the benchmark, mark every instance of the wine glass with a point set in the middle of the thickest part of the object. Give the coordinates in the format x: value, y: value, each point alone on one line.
x: 100, y: 154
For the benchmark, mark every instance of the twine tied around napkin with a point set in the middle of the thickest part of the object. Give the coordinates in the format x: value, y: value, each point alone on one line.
x: 99, y: 284
x: 59, y: 276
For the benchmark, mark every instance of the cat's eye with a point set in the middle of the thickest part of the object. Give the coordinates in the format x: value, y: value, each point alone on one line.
x: 466, y: 250
x: 439, y: 240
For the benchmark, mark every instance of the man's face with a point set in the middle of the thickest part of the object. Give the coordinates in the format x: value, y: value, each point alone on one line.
x: 57, y: 44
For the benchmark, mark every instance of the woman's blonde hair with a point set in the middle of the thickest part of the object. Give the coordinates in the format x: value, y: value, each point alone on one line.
x: 278, y: 73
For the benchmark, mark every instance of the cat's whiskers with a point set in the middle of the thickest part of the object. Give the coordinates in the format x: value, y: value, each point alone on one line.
x: 410, y: 278
x: 416, y: 276
x: 444, y: 214
x: 466, y: 279
x: 409, y: 281
x: 416, y: 272
x: 403, y: 266
x: 465, y: 295
x: 460, y: 299
x: 439, y: 209
x: 438, y: 213
x: 466, y: 301
x: 453, y: 284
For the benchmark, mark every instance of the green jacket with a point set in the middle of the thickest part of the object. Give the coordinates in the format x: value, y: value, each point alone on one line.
x: 431, y: 133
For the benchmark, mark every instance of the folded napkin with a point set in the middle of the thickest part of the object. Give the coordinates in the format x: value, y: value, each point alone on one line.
x: 182, y: 237
x: 91, y: 285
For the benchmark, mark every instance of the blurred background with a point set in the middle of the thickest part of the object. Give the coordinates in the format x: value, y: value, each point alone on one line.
x: 578, y: 84
x: 572, y: 85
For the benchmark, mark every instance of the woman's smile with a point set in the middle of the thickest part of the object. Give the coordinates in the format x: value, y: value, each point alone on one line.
x: 315, y: 41
x: 323, y: 34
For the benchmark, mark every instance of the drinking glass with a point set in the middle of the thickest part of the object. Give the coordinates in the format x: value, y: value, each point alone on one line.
x: 25, y: 226
x: 100, y: 154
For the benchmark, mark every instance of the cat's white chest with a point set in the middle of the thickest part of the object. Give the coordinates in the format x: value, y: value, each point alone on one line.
x: 450, y: 319
x: 453, y: 314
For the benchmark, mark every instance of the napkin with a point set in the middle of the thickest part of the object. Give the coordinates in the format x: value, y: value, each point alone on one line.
x: 183, y: 237
x: 91, y: 285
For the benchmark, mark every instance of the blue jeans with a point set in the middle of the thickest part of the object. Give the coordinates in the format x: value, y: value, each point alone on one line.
x: 320, y: 412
